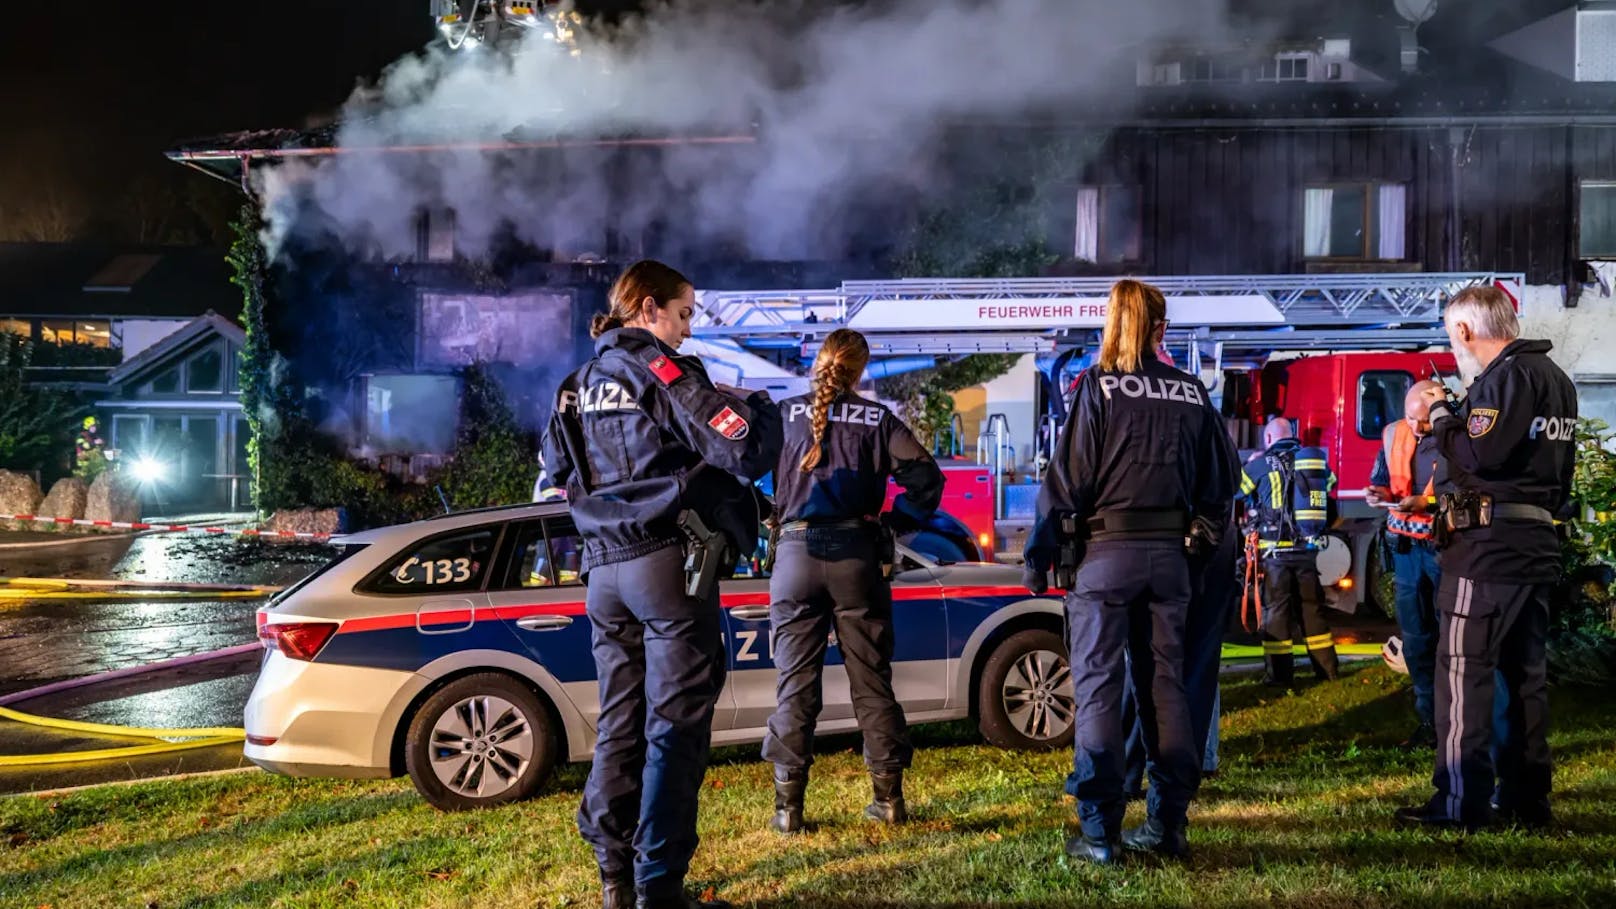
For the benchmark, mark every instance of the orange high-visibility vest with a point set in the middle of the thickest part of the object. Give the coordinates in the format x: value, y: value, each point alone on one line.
x: 1400, y: 462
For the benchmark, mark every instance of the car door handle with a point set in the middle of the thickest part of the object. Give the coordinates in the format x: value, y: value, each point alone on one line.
x: 750, y: 613
x: 543, y: 623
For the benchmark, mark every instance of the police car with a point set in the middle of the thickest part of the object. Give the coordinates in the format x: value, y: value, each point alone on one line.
x: 456, y: 650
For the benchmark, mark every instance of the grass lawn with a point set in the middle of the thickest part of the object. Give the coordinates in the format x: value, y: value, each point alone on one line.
x: 1299, y: 816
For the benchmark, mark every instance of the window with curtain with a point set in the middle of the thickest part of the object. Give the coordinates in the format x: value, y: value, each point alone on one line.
x: 1108, y: 223
x: 1355, y: 221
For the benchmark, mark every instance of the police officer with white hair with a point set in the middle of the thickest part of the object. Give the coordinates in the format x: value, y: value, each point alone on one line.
x: 1140, y: 482
x: 1510, y: 452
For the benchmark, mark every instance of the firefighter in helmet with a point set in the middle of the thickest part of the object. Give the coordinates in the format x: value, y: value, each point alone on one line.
x: 1289, y: 487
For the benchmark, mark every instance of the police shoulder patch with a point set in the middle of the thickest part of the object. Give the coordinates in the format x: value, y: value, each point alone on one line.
x: 729, y: 424
x: 666, y: 371
x: 1482, y: 421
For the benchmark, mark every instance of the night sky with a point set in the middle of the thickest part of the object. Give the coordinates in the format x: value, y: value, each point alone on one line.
x: 93, y: 96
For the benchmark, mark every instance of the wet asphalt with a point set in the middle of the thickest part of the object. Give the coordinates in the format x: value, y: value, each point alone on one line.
x: 49, y: 640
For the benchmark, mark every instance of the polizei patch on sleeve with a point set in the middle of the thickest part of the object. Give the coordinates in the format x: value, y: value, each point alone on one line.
x: 1482, y: 420
x: 666, y: 371
x: 729, y: 424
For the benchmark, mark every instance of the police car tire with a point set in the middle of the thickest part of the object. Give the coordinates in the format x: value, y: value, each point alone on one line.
x: 417, y: 760
x: 993, y: 720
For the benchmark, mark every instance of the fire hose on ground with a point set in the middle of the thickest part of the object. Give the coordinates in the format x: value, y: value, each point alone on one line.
x: 201, y: 737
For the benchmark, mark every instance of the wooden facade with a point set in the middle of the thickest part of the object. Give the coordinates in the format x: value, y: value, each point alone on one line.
x: 1229, y: 199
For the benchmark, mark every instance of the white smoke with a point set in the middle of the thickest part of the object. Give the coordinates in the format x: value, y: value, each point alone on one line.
x: 840, y: 106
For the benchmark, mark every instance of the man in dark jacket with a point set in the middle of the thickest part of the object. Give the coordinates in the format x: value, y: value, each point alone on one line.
x: 1510, y: 449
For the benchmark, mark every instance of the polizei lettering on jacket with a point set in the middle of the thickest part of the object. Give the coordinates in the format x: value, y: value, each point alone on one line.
x: 1555, y: 429
x: 840, y: 413
x: 602, y: 396
x: 1185, y: 391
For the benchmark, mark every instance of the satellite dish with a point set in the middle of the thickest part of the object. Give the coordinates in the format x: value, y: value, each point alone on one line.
x: 1415, y: 11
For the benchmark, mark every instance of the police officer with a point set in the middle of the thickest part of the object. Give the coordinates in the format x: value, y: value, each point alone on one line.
x: 1215, y: 592
x: 1408, y: 475
x: 829, y: 572
x: 1510, y: 451
x: 1289, y: 487
x: 647, y: 449
x: 1140, y: 470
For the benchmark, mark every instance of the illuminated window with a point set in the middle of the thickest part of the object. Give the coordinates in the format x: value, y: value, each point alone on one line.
x: 21, y: 327
x: 95, y: 334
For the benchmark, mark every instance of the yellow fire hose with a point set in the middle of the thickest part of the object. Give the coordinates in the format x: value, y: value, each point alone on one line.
x: 203, y: 737
x: 57, y: 589
x: 1255, y: 651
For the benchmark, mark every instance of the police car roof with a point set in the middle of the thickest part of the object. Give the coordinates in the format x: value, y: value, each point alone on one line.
x: 403, y: 533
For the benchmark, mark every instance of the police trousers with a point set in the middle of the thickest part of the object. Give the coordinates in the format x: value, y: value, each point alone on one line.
x: 1418, y: 577
x: 661, y: 664
x: 1126, y: 613
x: 823, y: 580
x: 1489, y: 626
x: 1292, y: 595
x: 1215, y: 593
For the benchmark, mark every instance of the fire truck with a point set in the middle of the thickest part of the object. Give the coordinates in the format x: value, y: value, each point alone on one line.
x: 1335, y: 353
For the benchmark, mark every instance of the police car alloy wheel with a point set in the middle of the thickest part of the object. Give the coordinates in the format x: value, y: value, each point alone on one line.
x: 482, y: 740
x: 1025, y: 699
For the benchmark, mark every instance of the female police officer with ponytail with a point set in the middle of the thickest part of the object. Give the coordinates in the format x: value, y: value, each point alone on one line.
x: 1141, y: 479
x: 648, y: 449
x: 829, y: 573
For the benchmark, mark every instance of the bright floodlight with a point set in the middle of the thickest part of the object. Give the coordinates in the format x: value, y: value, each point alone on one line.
x: 147, y: 470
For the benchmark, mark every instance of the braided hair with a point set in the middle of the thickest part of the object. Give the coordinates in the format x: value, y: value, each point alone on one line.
x: 837, y: 369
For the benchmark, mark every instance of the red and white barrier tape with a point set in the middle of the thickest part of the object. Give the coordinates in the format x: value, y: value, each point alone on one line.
x: 165, y: 528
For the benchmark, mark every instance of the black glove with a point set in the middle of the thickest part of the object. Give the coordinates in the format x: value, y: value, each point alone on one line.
x: 1035, y: 579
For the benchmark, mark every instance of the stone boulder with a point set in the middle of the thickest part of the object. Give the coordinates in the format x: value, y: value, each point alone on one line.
x: 113, y: 498
x: 309, y: 520
x: 67, y: 499
x: 19, y: 494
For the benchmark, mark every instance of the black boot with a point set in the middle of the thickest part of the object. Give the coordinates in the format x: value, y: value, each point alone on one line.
x: 617, y: 894
x: 1154, y: 836
x: 678, y: 901
x: 1423, y: 738
x: 789, y: 788
x: 888, y: 807
x: 1099, y: 852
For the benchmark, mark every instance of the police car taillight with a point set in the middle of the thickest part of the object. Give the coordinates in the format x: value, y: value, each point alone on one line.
x: 297, y: 640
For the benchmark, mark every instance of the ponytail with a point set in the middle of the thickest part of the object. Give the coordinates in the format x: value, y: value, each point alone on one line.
x: 645, y: 278
x: 1134, y: 311
x: 837, y: 369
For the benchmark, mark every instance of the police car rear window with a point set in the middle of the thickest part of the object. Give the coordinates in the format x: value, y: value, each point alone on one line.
x: 449, y: 563
x: 344, y: 553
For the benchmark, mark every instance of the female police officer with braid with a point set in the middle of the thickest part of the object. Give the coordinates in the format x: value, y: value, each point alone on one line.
x: 1141, y: 474
x: 641, y: 440
x: 829, y: 573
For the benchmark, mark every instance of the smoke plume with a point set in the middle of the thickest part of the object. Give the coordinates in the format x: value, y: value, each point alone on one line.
x: 837, y: 105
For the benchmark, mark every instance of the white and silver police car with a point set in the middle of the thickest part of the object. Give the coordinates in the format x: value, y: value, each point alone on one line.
x: 456, y: 650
